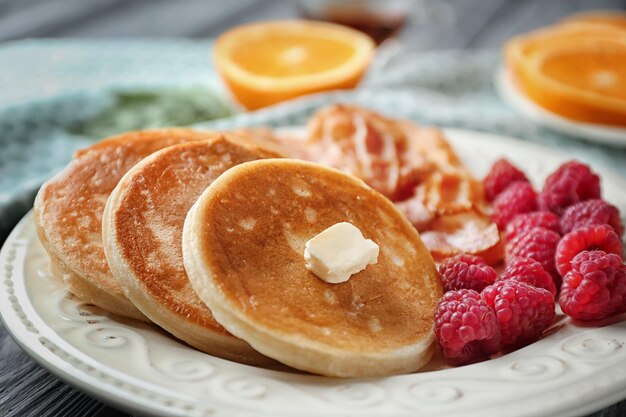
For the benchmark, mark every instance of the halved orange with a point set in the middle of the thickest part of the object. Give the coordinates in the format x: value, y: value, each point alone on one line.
x: 265, y: 63
x: 519, y: 49
x: 544, y: 79
x: 584, y: 80
x: 613, y: 18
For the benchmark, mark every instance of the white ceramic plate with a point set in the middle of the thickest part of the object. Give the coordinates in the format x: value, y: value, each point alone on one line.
x: 592, y: 132
x: 137, y: 367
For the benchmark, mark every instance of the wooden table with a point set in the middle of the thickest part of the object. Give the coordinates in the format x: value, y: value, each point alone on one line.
x: 26, y: 389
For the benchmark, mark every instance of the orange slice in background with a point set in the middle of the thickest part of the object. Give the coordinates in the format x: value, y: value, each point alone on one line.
x: 519, y: 49
x: 585, y: 80
x: 617, y: 19
x: 590, y: 75
x: 266, y: 63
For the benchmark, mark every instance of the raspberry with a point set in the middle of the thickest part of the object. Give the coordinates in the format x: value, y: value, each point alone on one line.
x: 538, y: 244
x: 501, y: 174
x: 588, y: 212
x: 518, y: 198
x: 524, y: 222
x: 593, y: 237
x: 570, y: 183
x: 466, y: 271
x: 465, y: 327
x: 523, y: 311
x: 530, y: 272
x: 595, y: 287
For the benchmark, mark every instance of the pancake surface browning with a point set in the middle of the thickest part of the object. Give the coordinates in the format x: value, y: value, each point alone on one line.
x: 69, y: 207
x: 142, y: 231
x: 243, y: 244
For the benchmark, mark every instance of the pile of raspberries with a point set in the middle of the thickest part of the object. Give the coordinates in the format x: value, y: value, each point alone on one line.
x: 563, y: 244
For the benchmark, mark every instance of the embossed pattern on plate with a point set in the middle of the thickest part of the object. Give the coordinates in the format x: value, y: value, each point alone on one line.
x: 138, y: 367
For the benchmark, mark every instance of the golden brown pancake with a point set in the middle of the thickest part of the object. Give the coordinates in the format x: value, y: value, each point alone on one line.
x: 243, y: 244
x: 142, y: 233
x: 68, y: 213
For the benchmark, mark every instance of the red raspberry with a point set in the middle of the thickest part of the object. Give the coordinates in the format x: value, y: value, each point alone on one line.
x: 465, y: 327
x: 524, y: 222
x: 588, y: 212
x: 501, y: 174
x: 595, y: 287
x: 518, y: 198
x: 570, y: 183
x: 466, y: 271
x: 538, y: 244
x: 593, y: 237
x: 530, y: 272
x: 523, y: 311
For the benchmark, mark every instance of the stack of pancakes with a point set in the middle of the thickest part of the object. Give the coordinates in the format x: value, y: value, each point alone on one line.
x: 203, y: 234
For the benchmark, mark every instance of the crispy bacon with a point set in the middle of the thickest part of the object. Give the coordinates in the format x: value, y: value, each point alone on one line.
x: 367, y: 146
x: 414, y: 167
x: 416, y: 211
x: 466, y: 232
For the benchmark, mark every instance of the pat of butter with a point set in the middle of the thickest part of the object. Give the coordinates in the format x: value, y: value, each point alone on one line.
x: 339, y: 252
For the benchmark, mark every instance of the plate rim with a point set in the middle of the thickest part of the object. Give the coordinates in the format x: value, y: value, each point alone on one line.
x: 128, y: 401
x: 22, y: 334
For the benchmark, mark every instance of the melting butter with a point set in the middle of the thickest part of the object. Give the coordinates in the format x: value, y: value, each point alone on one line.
x: 339, y: 252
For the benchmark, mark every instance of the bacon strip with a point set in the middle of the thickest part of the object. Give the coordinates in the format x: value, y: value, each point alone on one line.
x: 414, y: 167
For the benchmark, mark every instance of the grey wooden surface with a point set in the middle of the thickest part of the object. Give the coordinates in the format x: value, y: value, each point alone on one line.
x: 26, y: 389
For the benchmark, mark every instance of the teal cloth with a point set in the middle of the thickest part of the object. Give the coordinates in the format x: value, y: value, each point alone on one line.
x: 58, y: 96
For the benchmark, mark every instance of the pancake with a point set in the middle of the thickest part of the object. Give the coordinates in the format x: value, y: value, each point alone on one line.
x: 243, y: 244
x: 69, y: 207
x: 142, y: 233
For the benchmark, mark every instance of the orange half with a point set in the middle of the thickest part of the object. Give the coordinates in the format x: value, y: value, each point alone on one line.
x: 573, y: 69
x: 265, y: 63
x: 585, y: 80
x: 519, y: 49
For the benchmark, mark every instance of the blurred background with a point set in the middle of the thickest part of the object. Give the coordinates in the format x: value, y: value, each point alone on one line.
x: 423, y: 24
